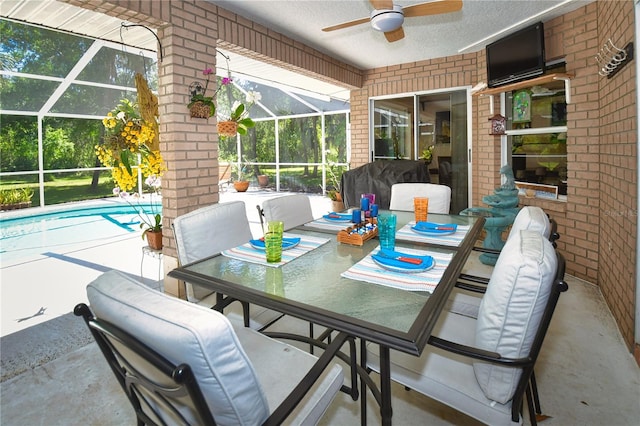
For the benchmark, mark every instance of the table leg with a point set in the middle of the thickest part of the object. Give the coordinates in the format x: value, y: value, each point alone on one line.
x: 385, y: 385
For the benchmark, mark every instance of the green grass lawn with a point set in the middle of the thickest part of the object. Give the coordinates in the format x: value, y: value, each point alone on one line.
x: 70, y: 187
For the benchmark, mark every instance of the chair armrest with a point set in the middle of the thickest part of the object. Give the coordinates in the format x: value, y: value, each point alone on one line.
x: 485, y: 250
x: 476, y: 353
x: 473, y: 283
x: 293, y: 399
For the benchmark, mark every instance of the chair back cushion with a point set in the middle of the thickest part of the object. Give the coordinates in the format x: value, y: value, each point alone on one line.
x: 184, y: 332
x: 402, y: 196
x: 293, y: 210
x: 211, y: 229
x: 512, y: 307
x: 532, y: 218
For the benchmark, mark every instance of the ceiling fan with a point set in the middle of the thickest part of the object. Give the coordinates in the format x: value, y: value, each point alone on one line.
x: 388, y: 18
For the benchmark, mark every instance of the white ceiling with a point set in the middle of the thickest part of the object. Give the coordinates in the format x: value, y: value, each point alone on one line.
x: 478, y: 23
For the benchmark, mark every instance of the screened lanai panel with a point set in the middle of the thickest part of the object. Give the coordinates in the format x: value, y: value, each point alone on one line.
x: 300, y: 140
x: 25, y: 94
x: 18, y: 143
x: 115, y: 66
x: 274, y: 100
x: 34, y: 50
x: 81, y: 99
x: 327, y: 106
x: 259, y: 144
x: 335, y: 127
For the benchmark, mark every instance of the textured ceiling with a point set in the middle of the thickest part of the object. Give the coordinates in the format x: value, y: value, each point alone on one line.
x: 478, y: 23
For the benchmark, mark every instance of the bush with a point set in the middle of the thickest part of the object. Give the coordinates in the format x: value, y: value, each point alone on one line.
x: 15, y: 195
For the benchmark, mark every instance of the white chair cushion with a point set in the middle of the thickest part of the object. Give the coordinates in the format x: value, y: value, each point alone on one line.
x: 402, y: 196
x: 211, y: 229
x: 445, y: 376
x: 532, y: 218
x: 185, y: 332
x: 293, y: 210
x: 207, y: 231
x: 512, y: 307
x: 230, y: 363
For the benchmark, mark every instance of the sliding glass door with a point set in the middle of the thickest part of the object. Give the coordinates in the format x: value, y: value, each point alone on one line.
x: 431, y: 127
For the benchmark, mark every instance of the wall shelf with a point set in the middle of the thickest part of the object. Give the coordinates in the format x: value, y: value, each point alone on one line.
x: 547, y: 78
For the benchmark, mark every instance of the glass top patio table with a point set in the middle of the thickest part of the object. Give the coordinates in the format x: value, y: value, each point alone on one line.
x: 311, y: 287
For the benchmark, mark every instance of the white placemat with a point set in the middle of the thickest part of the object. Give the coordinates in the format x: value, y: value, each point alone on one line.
x: 455, y: 239
x: 247, y: 253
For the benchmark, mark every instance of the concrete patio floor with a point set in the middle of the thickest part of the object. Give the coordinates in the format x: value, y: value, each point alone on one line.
x: 53, y: 373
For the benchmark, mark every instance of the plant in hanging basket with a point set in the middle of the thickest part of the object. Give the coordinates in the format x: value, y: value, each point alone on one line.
x: 238, y: 117
x: 227, y: 128
x: 202, y: 106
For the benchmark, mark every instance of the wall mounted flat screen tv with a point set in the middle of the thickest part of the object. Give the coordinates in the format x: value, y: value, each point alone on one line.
x: 516, y: 57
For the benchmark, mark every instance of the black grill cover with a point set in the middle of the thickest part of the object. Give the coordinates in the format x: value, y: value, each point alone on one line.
x: 377, y: 178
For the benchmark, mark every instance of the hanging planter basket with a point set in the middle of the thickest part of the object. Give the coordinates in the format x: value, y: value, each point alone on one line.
x: 200, y: 110
x: 227, y: 128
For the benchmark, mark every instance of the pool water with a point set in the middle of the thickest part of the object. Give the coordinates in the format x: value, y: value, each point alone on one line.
x: 61, y: 229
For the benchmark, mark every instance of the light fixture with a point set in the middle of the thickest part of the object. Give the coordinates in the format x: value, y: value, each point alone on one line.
x: 386, y: 20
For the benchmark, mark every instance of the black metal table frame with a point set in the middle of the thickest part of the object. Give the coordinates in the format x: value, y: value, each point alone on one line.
x: 412, y: 342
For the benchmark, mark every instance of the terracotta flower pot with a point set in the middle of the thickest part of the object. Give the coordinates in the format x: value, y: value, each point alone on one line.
x: 263, y: 180
x: 154, y: 239
x: 227, y: 128
x: 241, y: 185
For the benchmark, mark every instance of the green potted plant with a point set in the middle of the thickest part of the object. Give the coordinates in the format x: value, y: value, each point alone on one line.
x: 240, y: 175
x: 334, y: 194
x: 150, y: 222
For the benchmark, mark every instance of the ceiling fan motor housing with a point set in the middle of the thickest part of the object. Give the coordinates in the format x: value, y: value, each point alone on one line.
x: 386, y: 20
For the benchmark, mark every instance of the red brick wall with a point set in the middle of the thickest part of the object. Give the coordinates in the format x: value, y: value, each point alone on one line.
x: 616, y: 146
x: 598, y: 221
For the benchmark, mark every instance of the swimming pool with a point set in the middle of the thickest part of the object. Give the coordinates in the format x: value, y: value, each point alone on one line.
x: 57, y: 229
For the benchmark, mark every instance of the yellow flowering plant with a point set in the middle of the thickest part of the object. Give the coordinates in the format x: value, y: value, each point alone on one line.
x: 127, y: 136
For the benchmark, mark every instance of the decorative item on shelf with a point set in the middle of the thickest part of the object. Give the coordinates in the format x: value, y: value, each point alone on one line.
x: 150, y: 221
x: 498, y: 125
x: 427, y: 154
x: 131, y: 133
x: 522, y: 106
x: 356, y: 235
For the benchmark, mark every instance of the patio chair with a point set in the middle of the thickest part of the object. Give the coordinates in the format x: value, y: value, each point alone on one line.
x: 465, y: 299
x: 180, y: 363
x: 402, y: 196
x: 529, y: 217
x: 482, y: 366
x: 294, y: 210
x: 207, y: 231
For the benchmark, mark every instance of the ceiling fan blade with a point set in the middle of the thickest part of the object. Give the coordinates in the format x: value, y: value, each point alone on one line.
x: 381, y: 4
x: 432, y: 8
x: 394, y: 35
x: 346, y: 24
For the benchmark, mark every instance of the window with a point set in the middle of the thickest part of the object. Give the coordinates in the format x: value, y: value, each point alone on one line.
x: 537, y: 135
